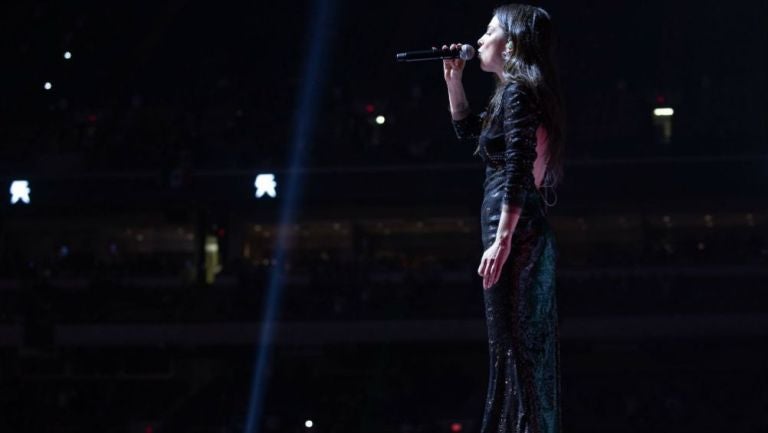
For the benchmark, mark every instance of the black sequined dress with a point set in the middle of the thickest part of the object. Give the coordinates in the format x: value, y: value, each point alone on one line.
x: 521, y: 308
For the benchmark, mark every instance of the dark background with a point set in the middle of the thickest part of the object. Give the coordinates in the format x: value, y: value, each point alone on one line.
x: 144, y: 152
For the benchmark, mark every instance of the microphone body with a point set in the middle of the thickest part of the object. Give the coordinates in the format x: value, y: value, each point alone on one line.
x: 466, y: 52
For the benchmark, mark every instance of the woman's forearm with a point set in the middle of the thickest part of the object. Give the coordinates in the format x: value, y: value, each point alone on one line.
x: 507, y: 223
x: 458, y: 100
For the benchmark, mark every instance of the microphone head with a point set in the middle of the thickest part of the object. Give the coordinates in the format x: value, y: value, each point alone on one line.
x: 467, y: 52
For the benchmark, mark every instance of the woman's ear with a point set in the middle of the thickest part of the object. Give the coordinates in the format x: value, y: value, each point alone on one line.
x: 509, y: 51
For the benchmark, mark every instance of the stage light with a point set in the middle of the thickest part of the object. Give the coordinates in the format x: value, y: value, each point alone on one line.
x: 265, y: 184
x: 370, y: 108
x: 47, y: 85
x: 308, y: 423
x: 20, y: 192
x: 662, y: 121
x: 67, y: 55
x: 322, y: 22
x: 380, y: 120
x: 212, y: 261
x: 456, y: 427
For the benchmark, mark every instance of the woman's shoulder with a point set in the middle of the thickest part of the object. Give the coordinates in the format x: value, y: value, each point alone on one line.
x: 519, y: 95
x: 515, y: 88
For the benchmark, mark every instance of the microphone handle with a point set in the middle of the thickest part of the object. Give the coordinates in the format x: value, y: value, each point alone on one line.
x: 433, y: 54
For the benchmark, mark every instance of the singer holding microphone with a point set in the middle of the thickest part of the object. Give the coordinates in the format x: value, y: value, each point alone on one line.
x: 519, y: 137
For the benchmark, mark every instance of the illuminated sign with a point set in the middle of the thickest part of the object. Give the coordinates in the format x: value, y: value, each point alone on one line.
x: 20, y: 191
x: 265, y: 184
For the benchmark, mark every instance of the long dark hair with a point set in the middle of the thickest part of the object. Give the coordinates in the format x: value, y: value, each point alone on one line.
x: 531, y: 64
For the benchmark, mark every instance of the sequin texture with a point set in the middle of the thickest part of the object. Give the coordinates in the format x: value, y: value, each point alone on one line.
x: 521, y: 310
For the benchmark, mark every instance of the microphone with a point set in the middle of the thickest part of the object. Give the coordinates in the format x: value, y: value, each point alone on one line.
x: 466, y: 52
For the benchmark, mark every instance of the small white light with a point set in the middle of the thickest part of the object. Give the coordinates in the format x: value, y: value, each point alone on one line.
x: 265, y: 184
x: 380, y: 120
x: 663, y: 112
x: 67, y: 55
x: 20, y: 192
x: 308, y: 423
x: 47, y: 85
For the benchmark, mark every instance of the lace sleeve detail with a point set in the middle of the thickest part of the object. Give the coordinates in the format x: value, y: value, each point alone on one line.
x: 521, y: 118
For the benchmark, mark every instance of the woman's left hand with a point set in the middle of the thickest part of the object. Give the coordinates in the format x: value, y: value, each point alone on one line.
x: 492, y: 262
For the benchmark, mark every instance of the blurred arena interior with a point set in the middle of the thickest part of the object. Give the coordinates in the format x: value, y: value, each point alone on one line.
x: 137, y: 238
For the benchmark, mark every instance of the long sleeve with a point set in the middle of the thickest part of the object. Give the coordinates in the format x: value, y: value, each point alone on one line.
x: 468, y: 127
x: 520, y: 120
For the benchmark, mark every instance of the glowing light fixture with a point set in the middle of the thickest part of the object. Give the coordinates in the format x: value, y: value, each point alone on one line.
x: 265, y: 184
x: 20, y: 192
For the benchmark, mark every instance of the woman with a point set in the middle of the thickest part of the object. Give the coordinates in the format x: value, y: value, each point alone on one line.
x: 520, y: 138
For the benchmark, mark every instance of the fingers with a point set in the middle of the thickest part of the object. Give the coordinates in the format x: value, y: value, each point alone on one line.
x: 453, y: 63
x: 483, y: 265
x: 489, y: 279
x: 487, y: 271
x: 490, y: 270
x: 455, y: 46
x: 447, y: 62
x: 494, y: 273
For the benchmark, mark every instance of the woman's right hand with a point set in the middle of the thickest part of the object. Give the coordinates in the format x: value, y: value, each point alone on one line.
x: 453, y: 68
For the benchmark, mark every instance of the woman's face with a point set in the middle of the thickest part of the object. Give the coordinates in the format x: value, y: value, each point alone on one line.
x: 490, y: 47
